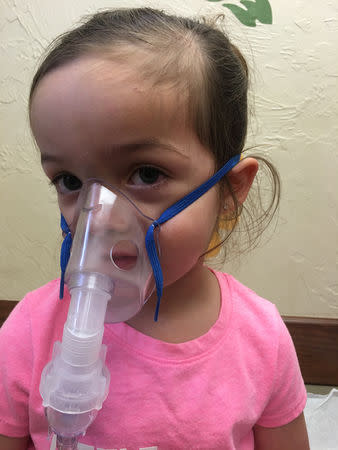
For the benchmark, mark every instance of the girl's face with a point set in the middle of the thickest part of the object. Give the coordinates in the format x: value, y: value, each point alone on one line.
x: 95, y: 118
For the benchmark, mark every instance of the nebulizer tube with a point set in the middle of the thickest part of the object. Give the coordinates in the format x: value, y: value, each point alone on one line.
x: 109, y: 279
x: 76, y: 382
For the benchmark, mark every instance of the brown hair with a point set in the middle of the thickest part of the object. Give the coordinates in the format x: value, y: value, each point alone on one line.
x: 191, y: 54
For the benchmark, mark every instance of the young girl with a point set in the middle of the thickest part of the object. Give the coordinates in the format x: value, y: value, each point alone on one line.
x: 155, y: 105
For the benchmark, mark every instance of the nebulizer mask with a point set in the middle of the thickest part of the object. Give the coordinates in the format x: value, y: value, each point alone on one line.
x: 111, y: 267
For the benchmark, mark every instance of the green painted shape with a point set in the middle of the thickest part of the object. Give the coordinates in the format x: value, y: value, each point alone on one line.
x: 255, y: 10
x: 260, y: 9
x: 242, y: 15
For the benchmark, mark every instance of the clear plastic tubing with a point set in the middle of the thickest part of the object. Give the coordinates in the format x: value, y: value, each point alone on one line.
x: 75, y: 382
x: 83, y: 330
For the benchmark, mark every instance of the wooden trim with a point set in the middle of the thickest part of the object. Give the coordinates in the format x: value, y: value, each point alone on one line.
x: 315, y: 339
x: 6, y: 307
x: 316, y: 342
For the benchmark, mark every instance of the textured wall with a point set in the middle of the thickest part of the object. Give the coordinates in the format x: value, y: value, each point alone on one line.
x: 295, y: 97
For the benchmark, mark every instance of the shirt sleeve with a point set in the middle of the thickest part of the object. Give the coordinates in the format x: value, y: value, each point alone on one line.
x: 15, y: 372
x: 288, y: 396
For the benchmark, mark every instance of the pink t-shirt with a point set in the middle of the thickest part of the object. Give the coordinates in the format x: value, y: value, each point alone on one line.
x: 207, y: 393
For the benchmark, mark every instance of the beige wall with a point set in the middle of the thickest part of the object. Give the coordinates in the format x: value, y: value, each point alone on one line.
x: 295, y: 96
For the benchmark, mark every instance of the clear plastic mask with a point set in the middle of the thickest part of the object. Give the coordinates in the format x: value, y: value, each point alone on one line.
x: 109, y: 251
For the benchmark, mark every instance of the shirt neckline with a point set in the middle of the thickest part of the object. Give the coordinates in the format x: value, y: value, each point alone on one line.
x: 149, y: 347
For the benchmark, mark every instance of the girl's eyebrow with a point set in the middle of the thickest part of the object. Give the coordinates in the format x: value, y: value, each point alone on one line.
x: 144, y: 145
x: 129, y: 147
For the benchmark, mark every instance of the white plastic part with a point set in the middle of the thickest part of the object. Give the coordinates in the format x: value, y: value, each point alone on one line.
x: 108, y: 266
x: 75, y: 383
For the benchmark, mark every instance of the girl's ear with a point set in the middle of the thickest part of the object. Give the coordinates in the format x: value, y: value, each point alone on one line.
x: 241, y: 178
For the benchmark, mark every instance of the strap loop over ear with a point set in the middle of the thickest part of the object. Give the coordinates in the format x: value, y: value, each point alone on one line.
x: 171, y: 212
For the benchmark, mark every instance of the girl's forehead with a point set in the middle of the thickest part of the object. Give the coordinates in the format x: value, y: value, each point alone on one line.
x: 80, y: 110
x: 92, y: 92
x: 92, y: 81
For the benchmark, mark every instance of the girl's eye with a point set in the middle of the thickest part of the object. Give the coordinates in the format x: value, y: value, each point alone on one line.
x: 66, y: 183
x: 147, y: 175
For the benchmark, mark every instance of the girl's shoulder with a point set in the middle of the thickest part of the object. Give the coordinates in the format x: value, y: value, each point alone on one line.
x: 49, y: 291
x: 259, y: 316
x: 26, y: 344
x: 39, y: 313
x: 262, y: 348
x: 242, y: 295
x: 45, y: 300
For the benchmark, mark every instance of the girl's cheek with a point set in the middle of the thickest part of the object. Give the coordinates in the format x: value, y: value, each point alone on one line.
x: 187, y: 236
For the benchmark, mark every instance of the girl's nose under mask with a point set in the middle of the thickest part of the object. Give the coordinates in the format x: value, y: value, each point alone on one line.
x: 116, y: 246
x: 108, y: 250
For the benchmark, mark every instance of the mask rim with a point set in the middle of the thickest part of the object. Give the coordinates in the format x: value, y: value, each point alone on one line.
x: 111, y: 187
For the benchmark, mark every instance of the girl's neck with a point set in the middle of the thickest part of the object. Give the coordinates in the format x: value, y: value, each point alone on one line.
x: 189, y: 308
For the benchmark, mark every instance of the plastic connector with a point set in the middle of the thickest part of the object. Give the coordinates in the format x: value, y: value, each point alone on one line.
x: 75, y: 383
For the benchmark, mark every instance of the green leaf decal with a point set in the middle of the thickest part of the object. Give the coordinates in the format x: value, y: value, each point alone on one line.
x: 242, y: 15
x: 254, y: 10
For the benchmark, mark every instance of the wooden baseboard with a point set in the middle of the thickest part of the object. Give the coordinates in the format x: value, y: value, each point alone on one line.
x: 6, y: 307
x: 316, y: 342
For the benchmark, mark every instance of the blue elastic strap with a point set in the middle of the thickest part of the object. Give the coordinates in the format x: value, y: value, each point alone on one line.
x: 65, y: 253
x: 172, y: 211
